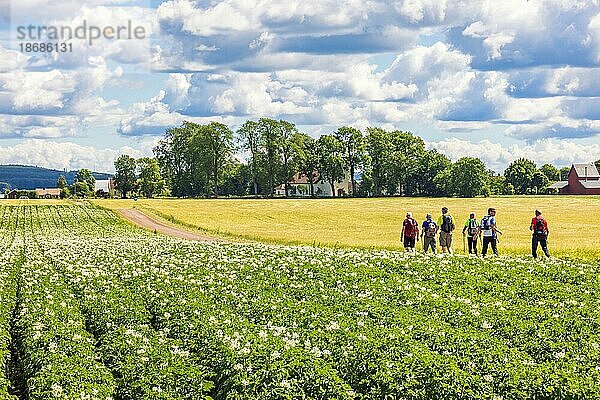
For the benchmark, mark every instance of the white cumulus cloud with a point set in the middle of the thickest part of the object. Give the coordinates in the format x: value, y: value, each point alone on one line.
x: 61, y: 155
x: 498, y: 156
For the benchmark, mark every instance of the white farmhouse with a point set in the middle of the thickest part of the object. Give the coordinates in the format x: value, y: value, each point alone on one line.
x: 300, y: 187
x: 106, y: 185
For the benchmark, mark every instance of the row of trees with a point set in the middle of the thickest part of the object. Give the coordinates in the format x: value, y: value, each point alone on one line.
x: 141, y: 176
x: 202, y: 160
x: 83, y: 186
x: 198, y: 160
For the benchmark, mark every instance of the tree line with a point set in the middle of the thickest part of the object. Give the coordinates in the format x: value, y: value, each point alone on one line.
x: 137, y: 177
x: 195, y: 160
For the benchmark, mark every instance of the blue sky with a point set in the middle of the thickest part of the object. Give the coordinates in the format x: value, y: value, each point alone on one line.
x: 497, y: 80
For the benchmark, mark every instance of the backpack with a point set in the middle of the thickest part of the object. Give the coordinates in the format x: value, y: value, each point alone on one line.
x: 473, y: 227
x: 485, y: 223
x: 410, y: 227
x: 431, y: 228
x: 540, y: 229
x: 447, y: 223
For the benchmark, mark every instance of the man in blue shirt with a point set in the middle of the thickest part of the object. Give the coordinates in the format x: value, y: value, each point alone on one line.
x: 428, y: 233
x: 489, y: 232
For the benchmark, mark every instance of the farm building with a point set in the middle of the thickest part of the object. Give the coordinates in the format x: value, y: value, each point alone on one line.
x: 106, y: 185
x: 13, y: 194
x: 582, y: 179
x: 52, y: 193
x: 300, y: 187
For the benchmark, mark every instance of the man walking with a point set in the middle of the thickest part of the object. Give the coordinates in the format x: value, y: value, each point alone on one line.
x: 429, y: 233
x: 490, y: 232
x: 471, y: 231
x: 410, y: 232
x: 446, y: 224
x: 539, y: 227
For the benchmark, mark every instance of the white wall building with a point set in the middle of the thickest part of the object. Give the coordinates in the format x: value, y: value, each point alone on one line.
x: 106, y: 185
x: 299, y: 187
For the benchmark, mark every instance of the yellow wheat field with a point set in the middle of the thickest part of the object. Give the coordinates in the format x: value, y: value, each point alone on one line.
x: 574, y: 221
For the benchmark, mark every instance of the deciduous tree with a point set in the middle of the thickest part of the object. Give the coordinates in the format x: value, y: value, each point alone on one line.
x: 80, y: 189
x: 150, y: 181
x: 250, y: 140
x: 85, y: 175
x: 354, y: 150
x: 551, y: 172
x: 426, y: 167
x: 61, y: 182
x: 468, y: 178
x: 520, y: 174
x: 497, y: 183
x: 289, y: 152
x: 271, y: 138
x: 125, y: 178
x: 175, y: 159
x: 539, y: 182
x: 378, y: 148
x: 308, y: 159
x: 218, y: 139
x: 331, y: 161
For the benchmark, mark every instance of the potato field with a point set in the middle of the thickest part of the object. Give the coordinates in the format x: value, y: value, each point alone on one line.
x: 94, y: 308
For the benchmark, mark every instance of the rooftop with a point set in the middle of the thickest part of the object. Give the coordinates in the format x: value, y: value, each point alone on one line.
x: 591, y: 184
x: 51, y: 191
x: 559, y: 185
x: 591, y: 172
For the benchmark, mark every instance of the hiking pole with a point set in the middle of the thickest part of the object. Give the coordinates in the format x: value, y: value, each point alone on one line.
x: 464, y: 245
x: 498, y: 237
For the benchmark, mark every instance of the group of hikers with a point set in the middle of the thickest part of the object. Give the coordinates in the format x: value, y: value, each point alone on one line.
x: 473, y: 229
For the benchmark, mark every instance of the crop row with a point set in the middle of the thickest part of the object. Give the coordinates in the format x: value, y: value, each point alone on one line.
x: 173, y: 319
x: 420, y: 336
x: 60, y: 353
x: 10, y: 259
x: 238, y: 374
x: 7, y: 301
x: 370, y: 341
x: 245, y: 374
x: 56, y: 354
x: 145, y: 363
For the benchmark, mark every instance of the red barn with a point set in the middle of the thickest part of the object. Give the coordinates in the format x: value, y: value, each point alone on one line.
x: 583, y: 179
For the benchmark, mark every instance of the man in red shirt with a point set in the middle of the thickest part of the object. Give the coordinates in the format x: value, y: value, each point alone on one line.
x: 539, y: 227
x: 410, y: 232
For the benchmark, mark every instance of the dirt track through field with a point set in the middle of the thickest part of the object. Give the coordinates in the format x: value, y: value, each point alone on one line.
x: 143, y: 220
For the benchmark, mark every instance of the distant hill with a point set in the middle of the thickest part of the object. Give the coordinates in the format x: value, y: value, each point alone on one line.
x: 29, y: 177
